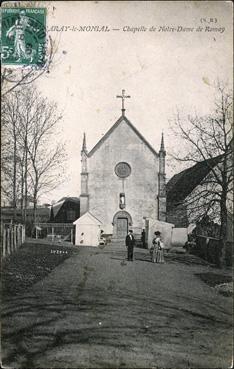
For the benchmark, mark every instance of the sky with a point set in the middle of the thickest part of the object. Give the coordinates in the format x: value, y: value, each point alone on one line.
x: 162, y: 70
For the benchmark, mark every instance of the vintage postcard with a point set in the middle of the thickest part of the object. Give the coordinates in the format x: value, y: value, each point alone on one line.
x: 116, y: 184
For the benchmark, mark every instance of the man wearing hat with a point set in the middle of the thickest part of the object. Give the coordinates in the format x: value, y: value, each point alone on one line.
x: 130, y: 242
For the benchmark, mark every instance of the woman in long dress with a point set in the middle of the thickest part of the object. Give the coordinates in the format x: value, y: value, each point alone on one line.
x: 159, y: 248
x: 154, y: 249
x: 160, y: 252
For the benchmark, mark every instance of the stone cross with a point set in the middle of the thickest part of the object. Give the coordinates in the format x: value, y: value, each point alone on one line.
x: 123, y: 97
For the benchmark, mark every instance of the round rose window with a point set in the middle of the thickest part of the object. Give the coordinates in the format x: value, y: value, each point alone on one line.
x: 122, y: 170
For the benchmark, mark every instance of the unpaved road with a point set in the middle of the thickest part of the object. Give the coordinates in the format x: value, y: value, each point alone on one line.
x: 97, y: 310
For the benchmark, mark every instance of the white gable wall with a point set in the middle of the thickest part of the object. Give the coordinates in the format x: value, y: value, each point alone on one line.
x: 140, y: 188
x: 87, y: 218
x: 90, y: 227
x: 90, y: 237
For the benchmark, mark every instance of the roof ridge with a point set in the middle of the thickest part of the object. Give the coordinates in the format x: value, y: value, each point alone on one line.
x: 94, y: 217
x: 88, y: 213
x: 112, y: 128
x: 196, y: 173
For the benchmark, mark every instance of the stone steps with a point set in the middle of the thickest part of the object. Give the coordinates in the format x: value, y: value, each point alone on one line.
x: 116, y: 245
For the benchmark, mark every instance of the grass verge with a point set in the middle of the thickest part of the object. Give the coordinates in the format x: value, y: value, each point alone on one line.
x: 30, y: 264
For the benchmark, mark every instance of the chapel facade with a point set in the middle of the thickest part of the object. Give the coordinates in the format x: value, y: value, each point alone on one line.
x: 123, y: 180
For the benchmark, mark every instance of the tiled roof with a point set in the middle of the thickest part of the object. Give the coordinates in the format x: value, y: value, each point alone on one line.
x: 57, y: 206
x: 183, y: 183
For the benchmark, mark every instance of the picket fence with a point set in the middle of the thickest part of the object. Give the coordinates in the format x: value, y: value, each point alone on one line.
x: 13, y: 236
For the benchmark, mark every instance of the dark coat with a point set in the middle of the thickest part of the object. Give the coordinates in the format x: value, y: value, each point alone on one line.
x: 129, y: 242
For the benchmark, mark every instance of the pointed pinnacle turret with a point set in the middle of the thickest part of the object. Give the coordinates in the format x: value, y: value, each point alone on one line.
x: 162, y: 147
x: 84, y: 148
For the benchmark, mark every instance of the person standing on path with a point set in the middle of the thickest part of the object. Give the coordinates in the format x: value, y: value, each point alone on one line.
x: 130, y: 243
x: 158, y: 241
x: 154, y: 249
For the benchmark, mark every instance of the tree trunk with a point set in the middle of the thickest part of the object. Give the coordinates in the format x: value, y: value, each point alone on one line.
x: 35, y: 193
x: 14, y: 178
x: 22, y: 190
x: 34, y: 207
x: 25, y: 179
x: 223, y: 229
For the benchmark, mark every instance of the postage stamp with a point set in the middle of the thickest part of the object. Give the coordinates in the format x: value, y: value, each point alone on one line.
x: 23, y: 36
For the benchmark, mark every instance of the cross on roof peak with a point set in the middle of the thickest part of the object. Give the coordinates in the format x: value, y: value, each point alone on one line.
x: 123, y: 97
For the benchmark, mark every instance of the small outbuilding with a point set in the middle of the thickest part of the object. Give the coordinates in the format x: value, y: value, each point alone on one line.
x: 166, y: 230
x: 88, y: 230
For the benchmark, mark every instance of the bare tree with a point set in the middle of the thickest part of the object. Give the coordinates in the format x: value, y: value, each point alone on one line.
x: 40, y: 156
x: 208, y: 139
x: 9, y: 148
x: 11, y: 78
x: 45, y: 155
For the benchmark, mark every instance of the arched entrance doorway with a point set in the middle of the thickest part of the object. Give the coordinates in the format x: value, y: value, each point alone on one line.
x: 121, y: 222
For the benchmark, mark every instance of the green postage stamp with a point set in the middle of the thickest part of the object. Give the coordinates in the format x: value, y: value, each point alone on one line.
x: 23, y: 36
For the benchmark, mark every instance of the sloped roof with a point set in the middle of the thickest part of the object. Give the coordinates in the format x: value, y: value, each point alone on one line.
x: 57, y: 207
x: 59, y: 204
x: 183, y: 183
x: 75, y: 199
x: 111, y: 130
x: 87, y: 218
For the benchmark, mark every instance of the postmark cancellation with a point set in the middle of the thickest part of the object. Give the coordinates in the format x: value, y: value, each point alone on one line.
x: 23, y: 36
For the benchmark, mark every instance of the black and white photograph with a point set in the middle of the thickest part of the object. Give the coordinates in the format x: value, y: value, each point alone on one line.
x: 116, y: 184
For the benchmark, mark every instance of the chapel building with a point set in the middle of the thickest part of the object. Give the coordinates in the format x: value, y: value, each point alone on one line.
x: 123, y: 180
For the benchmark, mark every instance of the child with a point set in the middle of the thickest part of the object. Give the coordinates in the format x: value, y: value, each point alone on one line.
x: 82, y: 238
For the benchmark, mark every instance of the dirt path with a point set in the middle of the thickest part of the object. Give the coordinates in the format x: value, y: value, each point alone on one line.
x: 97, y: 310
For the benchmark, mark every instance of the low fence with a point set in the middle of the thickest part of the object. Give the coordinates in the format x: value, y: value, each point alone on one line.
x: 12, y: 237
x: 55, y: 231
x: 229, y: 257
x: 210, y: 249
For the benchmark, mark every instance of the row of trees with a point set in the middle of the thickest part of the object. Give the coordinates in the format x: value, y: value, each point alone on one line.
x: 32, y: 156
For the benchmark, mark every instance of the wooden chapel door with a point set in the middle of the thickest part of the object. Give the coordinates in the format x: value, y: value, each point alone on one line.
x: 122, y: 227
